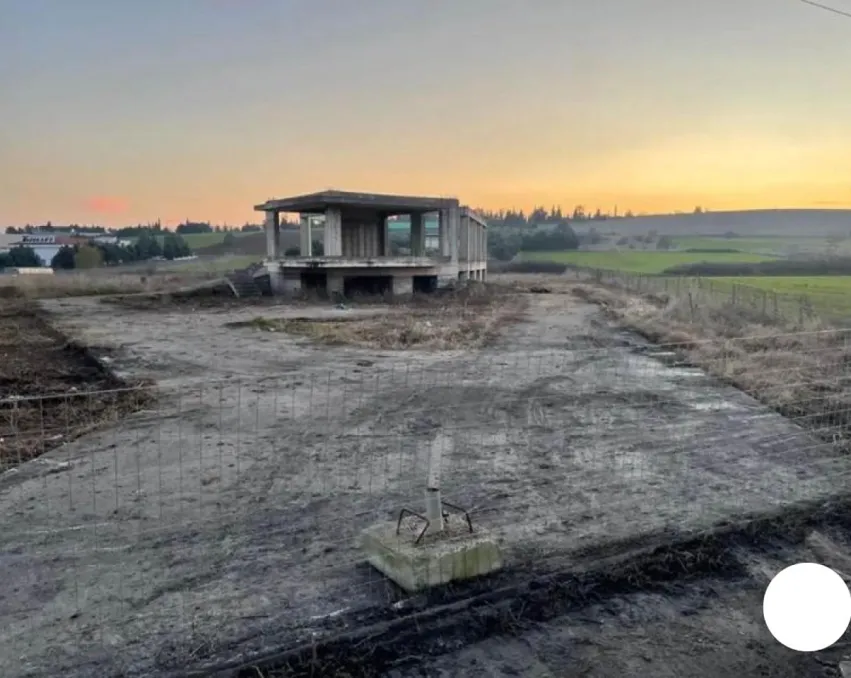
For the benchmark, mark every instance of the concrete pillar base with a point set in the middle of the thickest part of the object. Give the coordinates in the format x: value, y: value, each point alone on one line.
x: 292, y: 285
x: 441, y: 557
x: 281, y: 284
x: 402, y: 285
x: 276, y: 282
x: 335, y: 284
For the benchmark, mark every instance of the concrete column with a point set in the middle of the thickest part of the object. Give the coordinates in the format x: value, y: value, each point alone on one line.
x: 444, y: 243
x: 292, y: 284
x: 272, y: 226
x: 384, y: 225
x: 452, y: 218
x: 402, y: 285
x: 276, y: 279
x: 333, y: 232
x: 485, y: 245
x: 305, y: 236
x: 417, y: 235
x: 334, y: 283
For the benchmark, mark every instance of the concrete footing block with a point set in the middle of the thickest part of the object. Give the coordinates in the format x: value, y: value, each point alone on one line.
x: 452, y: 555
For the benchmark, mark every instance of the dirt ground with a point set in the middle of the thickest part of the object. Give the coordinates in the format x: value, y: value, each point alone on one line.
x: 705, y: 627
x: 223, y: 519
x: 42, y: 380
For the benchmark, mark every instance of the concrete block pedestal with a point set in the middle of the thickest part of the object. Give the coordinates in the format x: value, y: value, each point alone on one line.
x: 441, y: 557
x: 403, y: 285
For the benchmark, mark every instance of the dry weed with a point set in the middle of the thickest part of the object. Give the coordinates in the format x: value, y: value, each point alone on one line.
x: 797, y: 369
x: 52, y: 390
x: 79, y: 284
x: 462, y: 320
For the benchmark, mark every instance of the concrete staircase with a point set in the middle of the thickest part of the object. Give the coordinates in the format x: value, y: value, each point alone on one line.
x: 244, y: 285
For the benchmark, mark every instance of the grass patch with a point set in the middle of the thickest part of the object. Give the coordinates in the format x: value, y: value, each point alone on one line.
x: 648, y: 262
x: 829, y: 296
x: 197, y: 240
x: 218, y: 265
x: 824, y: 285
x: 465, y: 319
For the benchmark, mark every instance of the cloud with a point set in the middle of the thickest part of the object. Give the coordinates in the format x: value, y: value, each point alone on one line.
x: 107, y: 204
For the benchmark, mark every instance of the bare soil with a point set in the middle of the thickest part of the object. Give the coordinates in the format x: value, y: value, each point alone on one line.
x: 691, y: 608
x: 45, y: 385
x: 220, y: 525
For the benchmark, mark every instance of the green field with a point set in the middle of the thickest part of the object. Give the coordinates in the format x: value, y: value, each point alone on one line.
x: 649, y: 262
x: 196, y: 240
x: 216, y: 265
x: 827, y: 295
x: 820, y: 284
x: 834, y: 290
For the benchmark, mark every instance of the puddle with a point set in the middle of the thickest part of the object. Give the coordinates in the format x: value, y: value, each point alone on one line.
x: 713, y: 406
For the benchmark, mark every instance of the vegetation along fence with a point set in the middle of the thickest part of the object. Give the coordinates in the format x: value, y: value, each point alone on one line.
x: 790, y: 309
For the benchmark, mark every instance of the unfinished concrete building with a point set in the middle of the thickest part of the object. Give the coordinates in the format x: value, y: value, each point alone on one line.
x: 357, y: 253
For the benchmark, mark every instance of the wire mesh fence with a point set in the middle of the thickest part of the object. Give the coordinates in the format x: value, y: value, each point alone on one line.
x: 789, y: 309
x: 152, y: 529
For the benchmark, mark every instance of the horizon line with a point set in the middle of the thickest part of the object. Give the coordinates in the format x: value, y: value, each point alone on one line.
x: 525, y: 211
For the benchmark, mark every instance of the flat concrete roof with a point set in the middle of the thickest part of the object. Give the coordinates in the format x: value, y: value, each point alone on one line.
x: 378, y: 202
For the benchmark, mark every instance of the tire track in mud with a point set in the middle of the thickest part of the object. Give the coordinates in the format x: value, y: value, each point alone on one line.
x: 371, y: 643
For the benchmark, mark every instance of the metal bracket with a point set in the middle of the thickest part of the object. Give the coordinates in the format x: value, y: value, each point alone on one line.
x: 462, y: 511
x: 407, y: 511
x: 444, y: 504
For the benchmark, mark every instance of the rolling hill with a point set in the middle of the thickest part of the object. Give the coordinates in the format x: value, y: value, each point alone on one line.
x: 780, y: 222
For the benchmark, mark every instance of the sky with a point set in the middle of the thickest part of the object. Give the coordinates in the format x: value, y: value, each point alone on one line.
x: 117, y: 112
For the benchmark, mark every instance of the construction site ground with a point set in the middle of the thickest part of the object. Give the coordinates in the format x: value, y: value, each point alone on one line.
x: 221, y: 518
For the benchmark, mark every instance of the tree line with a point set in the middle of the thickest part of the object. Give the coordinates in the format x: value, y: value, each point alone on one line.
x: 134, y: 231
x: 540, y: 216
x: 504, y: 244
x: 94, y: 254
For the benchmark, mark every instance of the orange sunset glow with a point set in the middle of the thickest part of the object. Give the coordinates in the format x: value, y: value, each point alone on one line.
x: 652, y: 106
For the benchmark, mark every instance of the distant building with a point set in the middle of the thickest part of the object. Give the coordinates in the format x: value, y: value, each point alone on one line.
x: 29, y: 270
x: 47, y: 245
